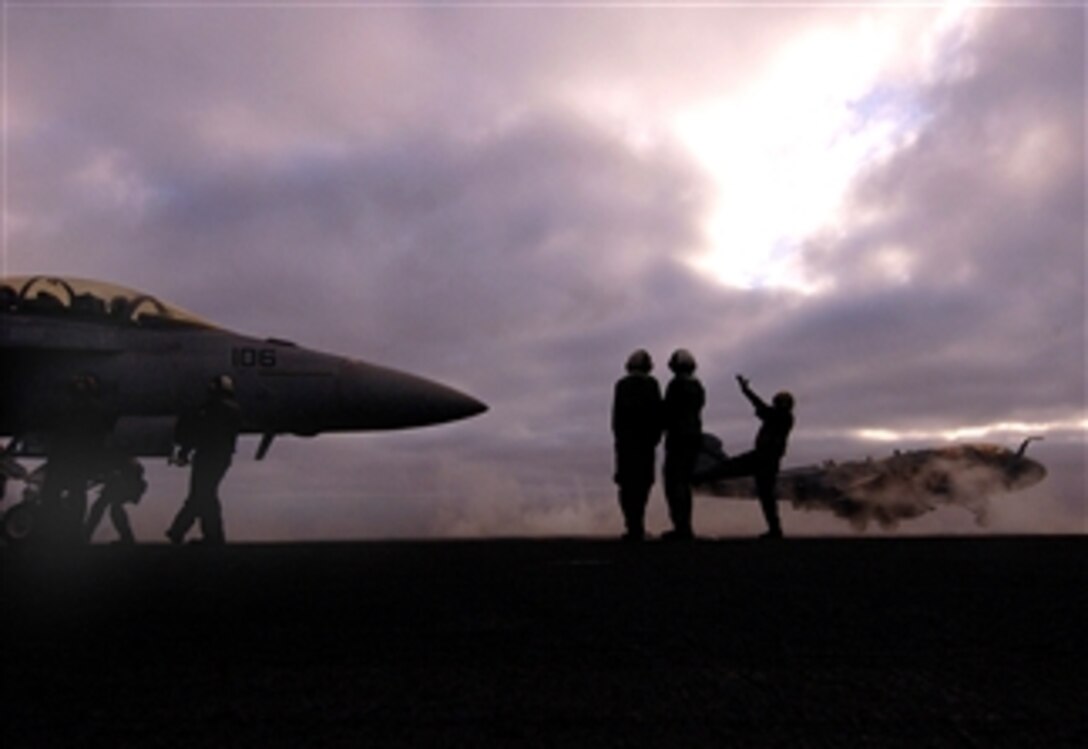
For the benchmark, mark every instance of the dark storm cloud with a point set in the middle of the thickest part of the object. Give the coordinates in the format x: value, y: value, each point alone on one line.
x: 434, y: 248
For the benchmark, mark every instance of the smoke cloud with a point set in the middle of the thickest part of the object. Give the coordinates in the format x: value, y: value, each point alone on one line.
x: 902, y: 487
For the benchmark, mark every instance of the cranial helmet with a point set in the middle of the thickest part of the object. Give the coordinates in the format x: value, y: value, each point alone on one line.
x: 783, y: 400
x: 222, y: 384
x: 682, y: 362
x: 640, y: 361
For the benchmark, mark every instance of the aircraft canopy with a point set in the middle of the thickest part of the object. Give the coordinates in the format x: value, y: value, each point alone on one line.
x: 84, y: 299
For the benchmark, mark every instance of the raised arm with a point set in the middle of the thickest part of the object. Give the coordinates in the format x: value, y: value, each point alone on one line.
x: 750, y: 394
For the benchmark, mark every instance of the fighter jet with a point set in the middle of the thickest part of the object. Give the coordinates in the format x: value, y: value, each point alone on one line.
x: 152, y: 360
x: 901, y: 486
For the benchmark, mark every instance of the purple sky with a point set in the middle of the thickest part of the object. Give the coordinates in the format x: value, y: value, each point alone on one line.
x: 881, y: 209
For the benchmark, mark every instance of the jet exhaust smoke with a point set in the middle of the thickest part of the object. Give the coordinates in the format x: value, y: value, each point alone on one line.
x: 887, y: 503
x: 886, y: 492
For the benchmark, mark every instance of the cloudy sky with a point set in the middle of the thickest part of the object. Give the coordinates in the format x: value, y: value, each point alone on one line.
x: 879, y: 208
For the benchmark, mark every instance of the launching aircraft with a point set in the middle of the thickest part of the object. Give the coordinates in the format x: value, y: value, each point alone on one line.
x: 152, y: 360
x: 901, y: 486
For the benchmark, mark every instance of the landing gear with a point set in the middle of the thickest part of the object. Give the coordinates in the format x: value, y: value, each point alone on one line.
x: 18, y: 523
x: 30, y: 519
x: 22, y: 521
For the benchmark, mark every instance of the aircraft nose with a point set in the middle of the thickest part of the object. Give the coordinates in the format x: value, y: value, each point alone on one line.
x: 1029, y: 473
x: 373, y: 397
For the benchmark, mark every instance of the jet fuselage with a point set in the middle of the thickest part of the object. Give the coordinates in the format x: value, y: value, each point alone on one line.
x: 152, y: 361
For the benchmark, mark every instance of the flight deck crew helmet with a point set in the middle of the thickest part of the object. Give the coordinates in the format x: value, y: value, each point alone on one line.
x: 783, y: 400
x: 221, y: 385
x: 682, y: 362
x: 640, y: 361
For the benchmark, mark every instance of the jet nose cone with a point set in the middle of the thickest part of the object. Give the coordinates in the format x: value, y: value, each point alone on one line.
x: 373, y: 397
x: 448, y: 404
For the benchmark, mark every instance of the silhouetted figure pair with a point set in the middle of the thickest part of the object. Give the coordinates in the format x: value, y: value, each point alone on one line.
x: 639, y: 417
x: 208, y: 436
x: 636, y: 431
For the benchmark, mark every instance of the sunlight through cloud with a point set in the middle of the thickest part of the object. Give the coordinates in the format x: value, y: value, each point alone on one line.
x: 783, y: 152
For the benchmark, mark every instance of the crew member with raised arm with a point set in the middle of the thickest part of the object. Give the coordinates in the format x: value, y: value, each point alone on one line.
x: 776, y: 422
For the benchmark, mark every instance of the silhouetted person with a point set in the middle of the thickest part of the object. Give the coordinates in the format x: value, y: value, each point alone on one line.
x: 684, y: 400
x: 208, y: 435
x: 122, y: 483
x: 75, y: 447
x: 636, y: 429
x: 763, y: 462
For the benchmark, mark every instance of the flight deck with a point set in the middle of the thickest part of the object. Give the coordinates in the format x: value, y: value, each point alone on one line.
x: 933, y: 642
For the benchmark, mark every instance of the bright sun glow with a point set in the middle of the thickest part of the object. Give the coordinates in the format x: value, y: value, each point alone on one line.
x: 783, y: 152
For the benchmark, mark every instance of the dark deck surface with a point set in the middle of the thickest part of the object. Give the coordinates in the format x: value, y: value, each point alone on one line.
x: 955, y: 642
